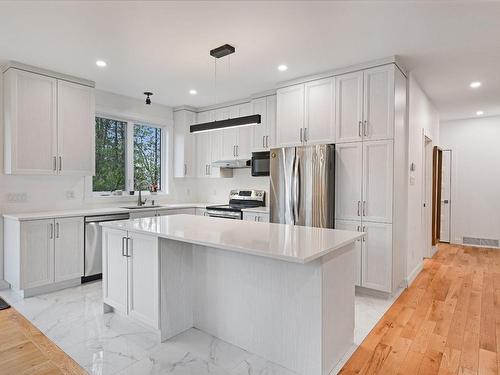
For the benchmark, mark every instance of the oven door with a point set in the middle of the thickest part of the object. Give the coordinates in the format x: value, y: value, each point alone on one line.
x: 260, y: 163
x: 224, y: 214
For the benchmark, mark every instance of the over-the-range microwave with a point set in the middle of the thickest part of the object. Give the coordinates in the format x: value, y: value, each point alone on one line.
x: 260, y: 163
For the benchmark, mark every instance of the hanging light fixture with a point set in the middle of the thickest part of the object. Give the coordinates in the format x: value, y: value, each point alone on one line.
x: 148, y: 94
x: 217, y: 53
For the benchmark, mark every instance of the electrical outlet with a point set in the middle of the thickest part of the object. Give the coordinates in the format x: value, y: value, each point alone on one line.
x: 17, y: 197
x: 70, y: 194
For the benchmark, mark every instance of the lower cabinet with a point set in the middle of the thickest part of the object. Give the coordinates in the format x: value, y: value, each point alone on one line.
x: 256, y: 216
x: 373, y: 253
x: 41, y: 253
x: 131, y: 275
x: 162, y: 212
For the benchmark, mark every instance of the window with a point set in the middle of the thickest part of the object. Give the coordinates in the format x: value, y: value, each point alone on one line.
x: 128, y: 156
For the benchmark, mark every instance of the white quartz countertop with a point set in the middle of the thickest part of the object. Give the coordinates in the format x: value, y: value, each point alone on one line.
x: 99, y: 211
x: 260, y: 210
x: 280, y: 241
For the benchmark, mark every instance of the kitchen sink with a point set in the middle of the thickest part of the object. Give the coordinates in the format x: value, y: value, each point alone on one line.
x: 143, y: 207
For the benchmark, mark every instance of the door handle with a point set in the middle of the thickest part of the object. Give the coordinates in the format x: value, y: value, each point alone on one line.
x: 446, y: 201
x: 263, y: 141
x: 365, y: 131
x: 55, y: 163
x: 57, y: 230
x: 301, y: 135
x: 185, y: 169
x: 358, y: 229
x: 296, y: 189
x: 128, y: 241
x: 237, y: 150
x: 360, y: 124
x: 267, y: 141
x: 51, y: 231
x: 60, y: 163
x: 364, y: 208
x: 364, y: 237
x: 123, y: 246
x: 306, y: 134
x: 359, y: 208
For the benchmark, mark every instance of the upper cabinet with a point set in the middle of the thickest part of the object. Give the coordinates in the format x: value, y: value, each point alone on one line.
x: 365, y: 105
x: 306, y: 113
x: 264, y: 134
x: 184, y: 144
x: 49, y: 125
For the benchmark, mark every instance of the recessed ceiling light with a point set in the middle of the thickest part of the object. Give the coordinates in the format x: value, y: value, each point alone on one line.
x: 475, y: 84
x: 479, y: 113
x: 101, y: 63
x: 282, y: 68
x: 193, y: 92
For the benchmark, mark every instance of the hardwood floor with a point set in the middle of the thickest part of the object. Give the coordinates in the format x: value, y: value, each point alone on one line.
x: 447, y: 322
x: 24, y: 350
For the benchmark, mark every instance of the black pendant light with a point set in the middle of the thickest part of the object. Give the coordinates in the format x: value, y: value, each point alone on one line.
x: 217, y: 53
x: 148, y: 94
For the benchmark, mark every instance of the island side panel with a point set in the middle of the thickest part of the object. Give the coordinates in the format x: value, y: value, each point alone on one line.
x: 176, y: 287
x: 338, y: 305
x: 270, y: 307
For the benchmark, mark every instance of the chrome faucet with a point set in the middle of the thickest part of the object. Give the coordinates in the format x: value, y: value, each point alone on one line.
x: 141, y: 202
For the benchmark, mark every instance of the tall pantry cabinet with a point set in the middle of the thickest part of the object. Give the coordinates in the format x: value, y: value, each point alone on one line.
x: 371, y: 162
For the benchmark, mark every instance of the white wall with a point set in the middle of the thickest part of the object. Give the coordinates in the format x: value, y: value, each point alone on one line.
x: 475, y: 203
x: 423, y: 120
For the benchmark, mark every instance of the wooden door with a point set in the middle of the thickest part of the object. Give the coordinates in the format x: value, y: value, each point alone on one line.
x: 348, y: 174
x: 376, y: 256
x: 143, y: 279
x: 290, y: 116
x: 377, y: 181
x: 349, y: 107
x: 319, y: 121
x: 30, y: 102
x: 75, y: 129
x: 378, y: 112
x: 37, y: 253
x: 115, y: 269
x: 445, y: 235
x: 68, y: 250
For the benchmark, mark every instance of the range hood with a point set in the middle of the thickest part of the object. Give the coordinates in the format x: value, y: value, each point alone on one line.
x: 232, y: 164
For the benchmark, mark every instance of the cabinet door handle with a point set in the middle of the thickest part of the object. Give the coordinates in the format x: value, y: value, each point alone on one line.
x: 267, y: 141
x: 358, y: 229
x: 360, y: 125
x: 128, y: 242
x: 237, y: 150
x: 55, y: 163
x: 185, y: 169
x: 57, y: 230
x: 364, y: 208
x: 359, y: 208
x: 263, y: 141
x: 306, y: 134
x: 60, y: 163
x: 123, y: 246
x: 364, y: 237
x: 301, y: 134
x: 365, y: 133
x: 51, y: 231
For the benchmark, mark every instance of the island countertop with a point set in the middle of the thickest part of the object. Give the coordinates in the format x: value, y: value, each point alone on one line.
x: 287, y: 242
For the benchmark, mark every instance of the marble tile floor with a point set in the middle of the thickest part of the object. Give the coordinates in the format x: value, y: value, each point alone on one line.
x: 105, y: 344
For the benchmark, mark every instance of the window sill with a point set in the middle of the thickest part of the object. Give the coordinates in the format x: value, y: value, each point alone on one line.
x: 99, y: 197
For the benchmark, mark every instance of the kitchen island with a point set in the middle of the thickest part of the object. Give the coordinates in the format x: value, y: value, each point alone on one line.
x: 283, y: 292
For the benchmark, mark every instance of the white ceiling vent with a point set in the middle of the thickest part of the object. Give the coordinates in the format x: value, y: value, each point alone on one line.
x: 486, y: 242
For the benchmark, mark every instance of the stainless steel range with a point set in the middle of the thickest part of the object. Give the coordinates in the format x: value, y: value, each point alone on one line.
x: 238, y: 199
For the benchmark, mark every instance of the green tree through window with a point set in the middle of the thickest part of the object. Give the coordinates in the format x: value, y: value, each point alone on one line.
x: 110, y: 144
x: 147, y: 158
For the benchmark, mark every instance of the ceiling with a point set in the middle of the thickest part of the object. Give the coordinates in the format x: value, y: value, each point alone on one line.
x: 163, y: 46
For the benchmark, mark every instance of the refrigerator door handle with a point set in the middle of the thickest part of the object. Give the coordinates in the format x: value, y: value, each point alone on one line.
x: 296, y: 189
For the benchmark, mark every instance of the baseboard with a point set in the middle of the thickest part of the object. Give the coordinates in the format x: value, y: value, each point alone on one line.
x: 413, y: 274
x: 4, y: 285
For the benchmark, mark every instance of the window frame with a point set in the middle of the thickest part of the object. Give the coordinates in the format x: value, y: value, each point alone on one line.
x: 165, y: 150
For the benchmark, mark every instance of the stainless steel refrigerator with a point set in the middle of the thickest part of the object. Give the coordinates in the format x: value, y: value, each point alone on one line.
x: 302, y: 188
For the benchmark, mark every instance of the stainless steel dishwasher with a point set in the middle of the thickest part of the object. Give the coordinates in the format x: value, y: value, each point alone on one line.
x: 93, y: 244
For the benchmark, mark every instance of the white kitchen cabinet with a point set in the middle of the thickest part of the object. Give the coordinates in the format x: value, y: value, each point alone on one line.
x: 143, y: 293
x: 290, y: 116
x: 115, y: 269
x: 378, y: 107
x: 126, y: 286
x: 319, y: 123
x: 30, y: 118
x: 75, y: 129
x: 263, y: 134
x: 208, y: 147
x: 256, y: 216
x: 348, y: 177
x: 49, y: 124
x: 349, y: 107
x: 377, y: 257
x: 356, y: 227
x: 236, y: 142
x: 176, y: 211
x: 37, y: 253
x: 184, y: 144
x: 244, y: 143
x: 68, y: 248
x: 43, y: 255
x: 377, y: 181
